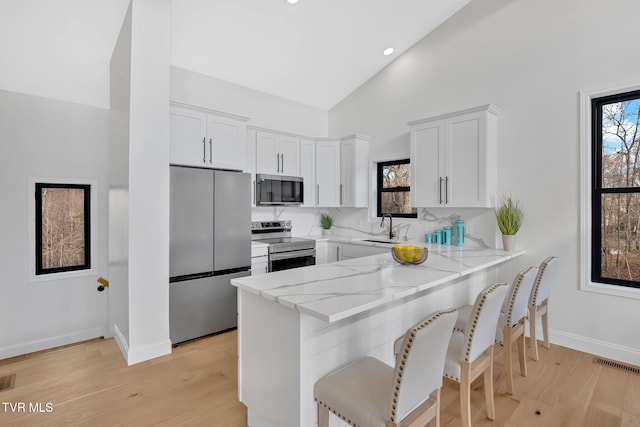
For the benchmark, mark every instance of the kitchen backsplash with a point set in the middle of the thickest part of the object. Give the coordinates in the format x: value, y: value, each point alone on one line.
x: 355, y: 222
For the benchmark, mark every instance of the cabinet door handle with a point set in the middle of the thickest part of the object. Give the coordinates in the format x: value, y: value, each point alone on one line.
x: 210, y: 150
x: 278, y: 162
x: 204, y: 150
x: 440, y: 190
x: 282, y: 157
x: 340, y: 193
x: 317, y: 194
x: 254, y: 192
x: 446, y: 190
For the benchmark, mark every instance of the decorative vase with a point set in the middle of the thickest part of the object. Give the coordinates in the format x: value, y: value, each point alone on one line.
x: 509, y: 242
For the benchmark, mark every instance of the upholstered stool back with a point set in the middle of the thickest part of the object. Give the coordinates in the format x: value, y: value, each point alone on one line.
x: 420, y: 362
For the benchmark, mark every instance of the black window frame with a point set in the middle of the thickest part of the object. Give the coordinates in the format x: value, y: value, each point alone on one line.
x: 86, y: 265
x: 381, y: 189
x: 597, y: 190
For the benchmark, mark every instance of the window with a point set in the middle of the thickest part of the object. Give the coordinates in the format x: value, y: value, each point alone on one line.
x: 394, y: 189
x: 62, y: 227
x: 615, y: 189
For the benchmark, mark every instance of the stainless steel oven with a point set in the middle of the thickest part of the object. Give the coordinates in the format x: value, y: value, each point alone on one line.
x: 284, y: 252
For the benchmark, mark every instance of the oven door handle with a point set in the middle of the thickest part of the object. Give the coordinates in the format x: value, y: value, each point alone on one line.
x: 292, y: 254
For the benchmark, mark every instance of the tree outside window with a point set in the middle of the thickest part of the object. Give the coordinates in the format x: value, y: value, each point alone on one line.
x: 394, y: 189
x: 616, y: 189
x: 62, y: 227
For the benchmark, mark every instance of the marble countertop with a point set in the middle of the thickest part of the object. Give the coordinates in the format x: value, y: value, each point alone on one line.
x: 339, y: 290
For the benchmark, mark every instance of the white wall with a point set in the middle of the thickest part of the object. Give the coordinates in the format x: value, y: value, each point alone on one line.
x: 139, y: 175
x: 46, y: 138
x: 120, y: 78
x: 149, y: 181
x: 530, y: 58
x: 263, y: 110
x: 40, y: 48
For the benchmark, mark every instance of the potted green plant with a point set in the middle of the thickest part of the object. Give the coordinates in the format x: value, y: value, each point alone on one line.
x: 509, y: 216
x: 326, y: 221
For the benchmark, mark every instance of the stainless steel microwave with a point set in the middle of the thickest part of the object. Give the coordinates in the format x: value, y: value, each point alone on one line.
x: 279, y: 190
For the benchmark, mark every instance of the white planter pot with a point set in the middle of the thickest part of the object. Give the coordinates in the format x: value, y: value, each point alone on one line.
x: 509, y: 242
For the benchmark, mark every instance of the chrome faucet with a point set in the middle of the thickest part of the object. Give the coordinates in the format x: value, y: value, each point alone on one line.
x: 391, y: 234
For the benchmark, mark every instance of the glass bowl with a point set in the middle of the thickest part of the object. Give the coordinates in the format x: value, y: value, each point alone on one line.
x: 409, y: 255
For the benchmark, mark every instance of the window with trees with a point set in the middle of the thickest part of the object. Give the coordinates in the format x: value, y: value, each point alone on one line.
x: 394, y: 189
x: 62, y: 227
x: 615, y: 246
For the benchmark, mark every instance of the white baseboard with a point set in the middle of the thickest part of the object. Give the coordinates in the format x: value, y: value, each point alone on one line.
x: 596, y: 347
x: 49, y: 342
x: 122, y: 342
x: 149, y: 352
x: 133, y: 356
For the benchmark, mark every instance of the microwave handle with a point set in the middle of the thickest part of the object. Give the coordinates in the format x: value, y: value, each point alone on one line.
x: 254, y: 191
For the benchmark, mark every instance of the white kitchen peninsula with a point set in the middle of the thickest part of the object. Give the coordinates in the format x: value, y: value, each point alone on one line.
x: 294, y: 326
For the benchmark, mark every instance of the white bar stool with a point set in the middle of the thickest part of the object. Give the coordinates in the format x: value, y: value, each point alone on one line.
x: 539, y: 300
x: 512, y: 321
x: 470, y: 352
x: 368, y: 392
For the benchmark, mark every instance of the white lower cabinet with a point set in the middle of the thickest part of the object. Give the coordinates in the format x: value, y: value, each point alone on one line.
x: 354, y: 250
x: 326, y: 251
x: 259, y: 259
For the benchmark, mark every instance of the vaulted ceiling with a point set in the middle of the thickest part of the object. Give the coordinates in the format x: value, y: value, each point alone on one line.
x: 314, y: 52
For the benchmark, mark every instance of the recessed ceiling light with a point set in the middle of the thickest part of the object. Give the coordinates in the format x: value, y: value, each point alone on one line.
x: 292, y: 1
x: 388, y: 51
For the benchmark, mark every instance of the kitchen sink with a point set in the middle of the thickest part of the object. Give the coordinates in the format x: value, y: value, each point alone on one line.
x: 388, y: 242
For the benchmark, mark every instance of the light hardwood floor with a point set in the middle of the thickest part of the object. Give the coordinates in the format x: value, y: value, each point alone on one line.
x: 90, y: 385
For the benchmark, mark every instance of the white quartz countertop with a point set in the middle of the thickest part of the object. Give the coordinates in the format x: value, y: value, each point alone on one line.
x: 336, y: 291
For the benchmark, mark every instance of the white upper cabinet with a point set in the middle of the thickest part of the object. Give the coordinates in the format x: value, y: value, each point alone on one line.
x: 250, y: 166
x: 453, y: 159
x: 308, y: 171
x: 207, y: 139
x: 327, y: 189
x: 188, y: 136
x: 277, y: 154
x: 354, y: 171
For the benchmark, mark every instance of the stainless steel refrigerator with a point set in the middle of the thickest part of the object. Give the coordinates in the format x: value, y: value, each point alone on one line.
x: 210, y: 244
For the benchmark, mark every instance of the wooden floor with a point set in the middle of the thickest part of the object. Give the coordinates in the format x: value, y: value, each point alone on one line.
x: 90, y: 385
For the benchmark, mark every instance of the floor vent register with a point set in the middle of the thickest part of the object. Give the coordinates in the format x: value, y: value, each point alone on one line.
x: 617, y: 365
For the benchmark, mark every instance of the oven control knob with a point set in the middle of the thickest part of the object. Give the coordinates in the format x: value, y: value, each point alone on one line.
x: 288, y: 224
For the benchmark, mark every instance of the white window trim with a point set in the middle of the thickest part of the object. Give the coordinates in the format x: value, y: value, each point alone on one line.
x: 33, y: 278
x: 585, y: 193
